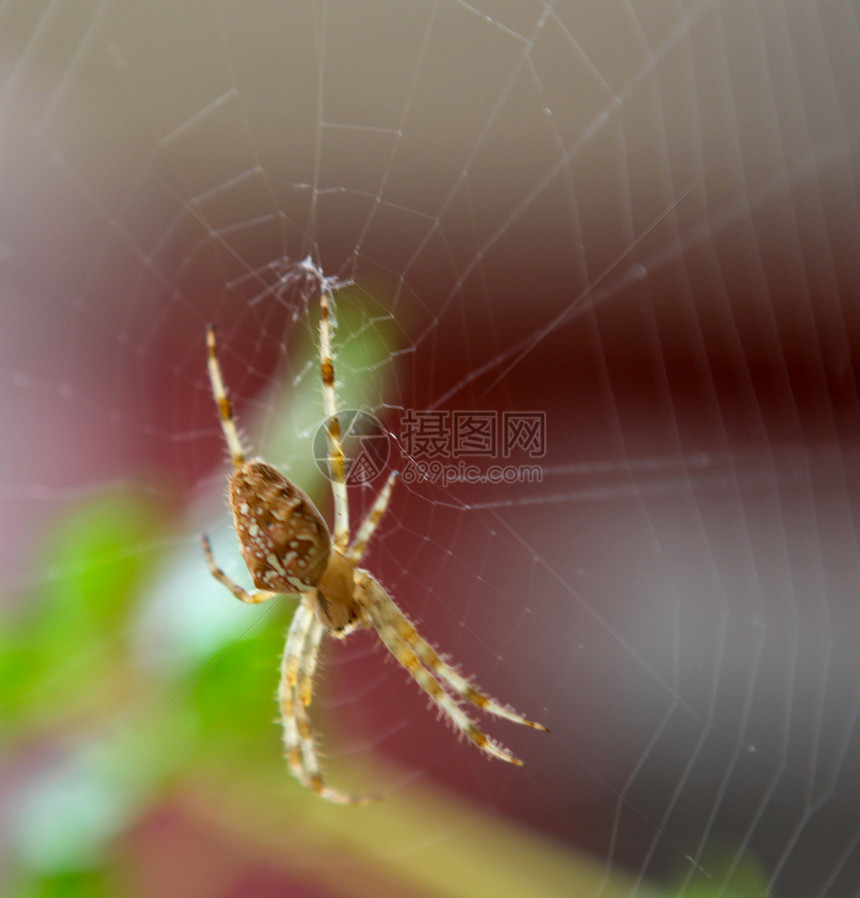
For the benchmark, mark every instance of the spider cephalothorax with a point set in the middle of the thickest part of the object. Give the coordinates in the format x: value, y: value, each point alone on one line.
x: 288, y: 548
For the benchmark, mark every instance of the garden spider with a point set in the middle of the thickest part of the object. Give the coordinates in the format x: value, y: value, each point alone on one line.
x: 288, y: 550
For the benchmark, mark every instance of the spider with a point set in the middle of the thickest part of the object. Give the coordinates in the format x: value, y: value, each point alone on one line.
x: 288, y: 549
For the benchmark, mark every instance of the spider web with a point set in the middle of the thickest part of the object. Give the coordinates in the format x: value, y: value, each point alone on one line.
x: 640, y: 221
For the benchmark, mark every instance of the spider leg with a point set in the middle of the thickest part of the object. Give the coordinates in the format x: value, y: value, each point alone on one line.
x: 456, y: 681
x: 401, y: 639
x: 368, y: 526
x: 294, y: 695
x: 337, y: 463
x: 225, y: 408
x: 294, y: 651
x: 252, y: 598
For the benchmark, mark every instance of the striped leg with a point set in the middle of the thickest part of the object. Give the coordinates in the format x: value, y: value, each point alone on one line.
x: 294, y: 695
x: 451, y: 678
x: 401, y: 639
x: 252, y: 598
x: 368, y: 526
x: 337, y: 463
x: 225, y: 409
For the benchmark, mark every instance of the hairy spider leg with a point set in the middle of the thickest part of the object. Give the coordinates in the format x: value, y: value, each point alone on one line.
x: 225, y: 407
x: 251, y: 598
x: 370, y: 523
x: 401, y: 639
x: 294, y: 694
x: 337, y: 463
x: 448, y: 675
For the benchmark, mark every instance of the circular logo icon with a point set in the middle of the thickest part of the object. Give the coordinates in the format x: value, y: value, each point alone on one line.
x: 365, y: 446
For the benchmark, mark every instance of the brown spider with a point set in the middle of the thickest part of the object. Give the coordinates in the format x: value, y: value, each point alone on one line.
x: 288, y: 549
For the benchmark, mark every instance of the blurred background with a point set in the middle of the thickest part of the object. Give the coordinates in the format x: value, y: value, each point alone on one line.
x: 639, y: 222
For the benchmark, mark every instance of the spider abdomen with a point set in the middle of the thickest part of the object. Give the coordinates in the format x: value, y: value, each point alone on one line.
x: 283, y: 538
